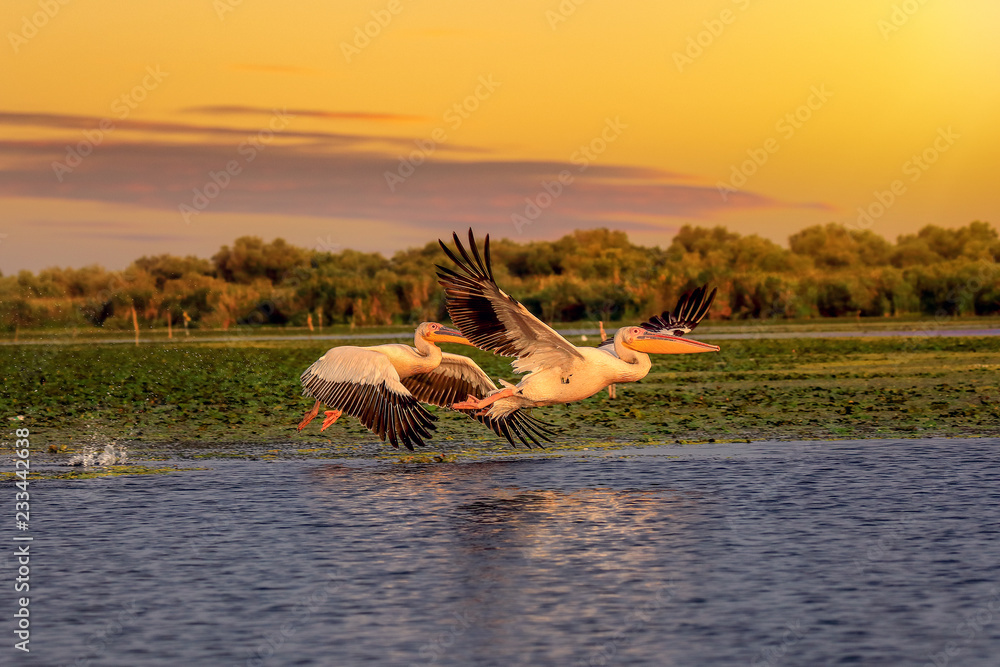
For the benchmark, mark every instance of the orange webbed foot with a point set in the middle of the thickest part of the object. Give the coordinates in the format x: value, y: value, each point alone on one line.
x: 310, y: 416
x: 331, y: 417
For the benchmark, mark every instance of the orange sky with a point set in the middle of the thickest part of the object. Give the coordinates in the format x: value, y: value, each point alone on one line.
x: 131, y: 129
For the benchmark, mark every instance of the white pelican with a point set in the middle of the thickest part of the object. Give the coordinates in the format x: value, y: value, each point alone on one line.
x: 383, y: 386
x: 558, y: 371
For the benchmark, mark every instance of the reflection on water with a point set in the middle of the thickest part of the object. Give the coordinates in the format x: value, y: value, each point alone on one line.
x: 510, y: 557
x: 788, y: 553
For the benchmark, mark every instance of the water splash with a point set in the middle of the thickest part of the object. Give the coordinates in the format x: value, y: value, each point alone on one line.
x: 111, y: 455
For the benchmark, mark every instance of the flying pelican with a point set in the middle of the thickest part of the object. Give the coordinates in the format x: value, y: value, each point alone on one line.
x: 383, y: 386
x: 558, y: 371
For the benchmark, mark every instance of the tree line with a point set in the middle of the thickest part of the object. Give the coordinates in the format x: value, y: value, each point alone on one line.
x: 826, y: 271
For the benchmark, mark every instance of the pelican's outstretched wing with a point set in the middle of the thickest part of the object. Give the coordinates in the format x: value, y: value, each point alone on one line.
x: 691, y: 309
x: 492, y: 320
x: 516, y: 423
x: 364, y: 384
x: 454, y: 379
x: 457, y: 377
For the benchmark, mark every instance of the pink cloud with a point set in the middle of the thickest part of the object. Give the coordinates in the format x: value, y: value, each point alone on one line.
x: 351, y: 177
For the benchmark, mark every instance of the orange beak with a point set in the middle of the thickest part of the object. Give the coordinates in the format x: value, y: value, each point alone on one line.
x: 655, y: 343
x: 446, y: 335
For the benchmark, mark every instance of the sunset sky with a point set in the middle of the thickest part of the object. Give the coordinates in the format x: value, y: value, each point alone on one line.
x: 139, y: 128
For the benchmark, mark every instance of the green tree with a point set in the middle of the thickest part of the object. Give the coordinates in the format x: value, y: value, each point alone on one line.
x: 250, y: 258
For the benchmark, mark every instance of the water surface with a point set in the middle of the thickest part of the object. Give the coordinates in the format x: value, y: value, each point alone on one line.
x: 818, y: 553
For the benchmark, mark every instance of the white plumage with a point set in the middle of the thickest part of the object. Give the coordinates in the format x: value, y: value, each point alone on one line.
x: 383, y: 386
x: 558, y: 371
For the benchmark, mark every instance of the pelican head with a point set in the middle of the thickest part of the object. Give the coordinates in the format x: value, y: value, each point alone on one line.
x: 437, y: 333
x: 650, y: 342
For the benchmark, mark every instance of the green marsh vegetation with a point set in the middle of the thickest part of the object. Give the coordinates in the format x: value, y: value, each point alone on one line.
x: 207, y: 400
x: 826, y: 271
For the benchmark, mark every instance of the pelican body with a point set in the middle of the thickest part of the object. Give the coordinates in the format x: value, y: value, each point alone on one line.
x: 557, y: 371
x: 594, y: 370
x: 383, y: 386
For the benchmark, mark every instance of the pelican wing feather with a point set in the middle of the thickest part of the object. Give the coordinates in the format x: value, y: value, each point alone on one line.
x: 454, y: 379
x: 364, y: 384
x: 517, y: 423
x: 494, y: 321
x: 691, y: 309
x: 457, y: 377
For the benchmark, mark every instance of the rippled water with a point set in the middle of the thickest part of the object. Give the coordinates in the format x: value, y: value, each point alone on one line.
x: 876, y: 553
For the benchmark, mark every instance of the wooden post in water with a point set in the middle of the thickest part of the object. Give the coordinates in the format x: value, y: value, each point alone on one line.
x: 611, y: 388
x: 170, y: 331
x: 309, y: 321
x: 187, y: 318
x: 135, y: 323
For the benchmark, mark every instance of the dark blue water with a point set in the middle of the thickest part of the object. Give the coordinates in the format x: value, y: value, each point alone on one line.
x: 873, y: 553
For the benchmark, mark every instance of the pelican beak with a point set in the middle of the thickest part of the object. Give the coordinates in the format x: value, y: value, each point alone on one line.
x: 656, y: 343
x: 446, y: 335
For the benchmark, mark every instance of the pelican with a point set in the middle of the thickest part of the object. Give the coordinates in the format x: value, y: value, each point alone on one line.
x: 557, y: 371
x: 383, y: 387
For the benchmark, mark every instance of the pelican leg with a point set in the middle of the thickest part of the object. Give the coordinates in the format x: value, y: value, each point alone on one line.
x: 310, y: 415
x: 472, y: 404
x: 331, y: 416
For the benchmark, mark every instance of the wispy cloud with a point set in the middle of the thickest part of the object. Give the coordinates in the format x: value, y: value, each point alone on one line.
x: 220, y: 132
x: 238, y: 110
x: 274, y: 69
x: 162, y: 165
x: 310, y: 180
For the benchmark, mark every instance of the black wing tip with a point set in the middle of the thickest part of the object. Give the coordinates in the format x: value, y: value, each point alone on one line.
x: 529, y: 430
x: 515, y: 424
x: 691, y: 309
